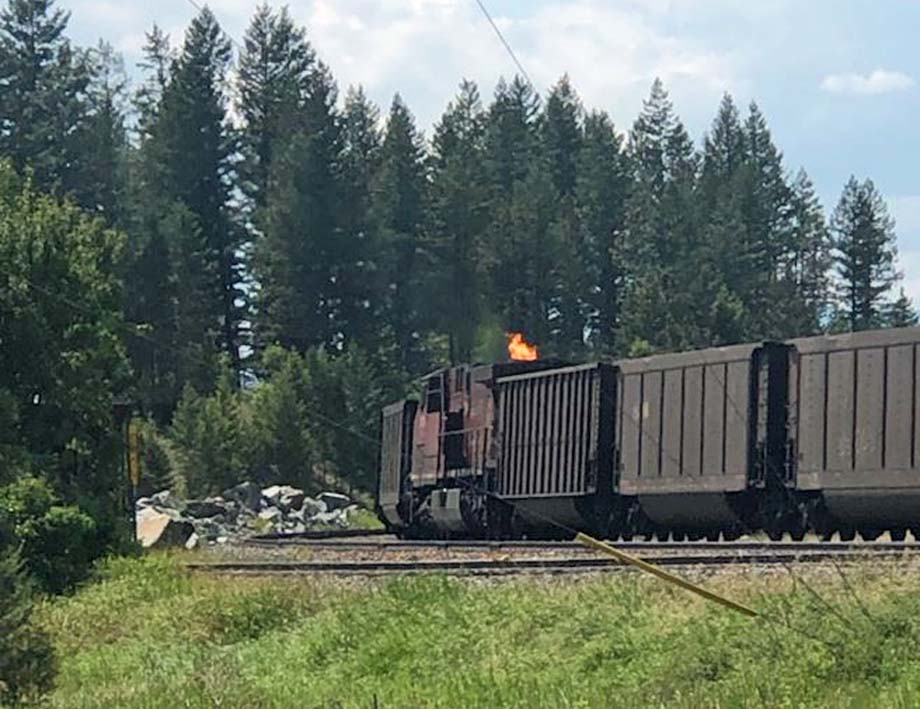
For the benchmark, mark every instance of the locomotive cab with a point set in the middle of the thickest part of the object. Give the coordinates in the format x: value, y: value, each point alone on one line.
x: 438, y: 460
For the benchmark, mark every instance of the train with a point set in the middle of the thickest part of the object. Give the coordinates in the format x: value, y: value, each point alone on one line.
x: 810, y: 435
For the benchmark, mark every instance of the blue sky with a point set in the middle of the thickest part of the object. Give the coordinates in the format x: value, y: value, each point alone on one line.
x: 839, y: 81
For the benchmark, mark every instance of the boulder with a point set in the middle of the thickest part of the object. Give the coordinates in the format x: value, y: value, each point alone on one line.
x: 248, y: 495
x: 284, y: 496
x: 312, y: 507
x: 191, y: 542
x: 156, y: 530
x: 211, y: 529
x: 211, y: 507
x: 333, y: 517
x: 292, y: 499
x: 165, y: 498
x: 334, y: 500
x: 271, y: 513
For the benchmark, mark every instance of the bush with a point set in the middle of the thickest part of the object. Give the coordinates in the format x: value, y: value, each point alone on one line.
x: 58, y: 544
x: 208, y: 438
x: 27, y: 662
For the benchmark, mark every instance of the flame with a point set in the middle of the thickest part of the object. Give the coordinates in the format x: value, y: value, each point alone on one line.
x: 520, y: 350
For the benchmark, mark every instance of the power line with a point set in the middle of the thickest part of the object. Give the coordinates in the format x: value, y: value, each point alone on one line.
x: 504, y: 41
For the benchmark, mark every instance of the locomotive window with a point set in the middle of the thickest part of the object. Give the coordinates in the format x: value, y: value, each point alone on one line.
x: 433, y: 395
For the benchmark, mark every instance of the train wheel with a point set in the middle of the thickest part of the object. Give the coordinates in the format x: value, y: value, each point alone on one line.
x: 798, y: 535
x: 678, y: 536
x: 663, y: 535
x: 713, y: 536
x: 847, y: 535
x: 775, y: 535
x: 898, y: 535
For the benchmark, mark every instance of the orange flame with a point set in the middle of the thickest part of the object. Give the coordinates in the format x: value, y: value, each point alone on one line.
x: 520, y: 350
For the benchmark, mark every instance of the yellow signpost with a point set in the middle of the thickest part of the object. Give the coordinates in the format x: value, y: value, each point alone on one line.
x: 134, y: 452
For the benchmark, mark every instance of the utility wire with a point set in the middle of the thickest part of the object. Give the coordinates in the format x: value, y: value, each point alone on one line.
x: 504, y: 41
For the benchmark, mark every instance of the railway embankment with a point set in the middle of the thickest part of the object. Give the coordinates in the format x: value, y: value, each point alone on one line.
x: 828, y: 634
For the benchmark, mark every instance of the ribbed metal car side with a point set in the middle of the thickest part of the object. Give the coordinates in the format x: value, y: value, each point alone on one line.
x: 689, y: 430
x: 554, y: 431
x: 853, y: 423
x: 395, y: 458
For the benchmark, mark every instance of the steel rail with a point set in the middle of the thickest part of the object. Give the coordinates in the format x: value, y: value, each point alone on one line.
x: 531, y: 565
x: 516, y: 545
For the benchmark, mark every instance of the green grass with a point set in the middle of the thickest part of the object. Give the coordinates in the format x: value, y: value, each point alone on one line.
x: 147, y: 635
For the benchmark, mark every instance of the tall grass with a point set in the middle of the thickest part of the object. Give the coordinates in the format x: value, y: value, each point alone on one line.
x: 147, y: 635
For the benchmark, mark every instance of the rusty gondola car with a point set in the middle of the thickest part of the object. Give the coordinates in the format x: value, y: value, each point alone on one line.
x: 816, y: 434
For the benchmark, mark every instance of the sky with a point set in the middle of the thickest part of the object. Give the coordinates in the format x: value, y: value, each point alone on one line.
x: 836, y: 79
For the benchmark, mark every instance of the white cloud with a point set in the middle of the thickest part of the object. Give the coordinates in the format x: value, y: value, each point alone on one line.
x: 880, y: 81
x: 423, y: 48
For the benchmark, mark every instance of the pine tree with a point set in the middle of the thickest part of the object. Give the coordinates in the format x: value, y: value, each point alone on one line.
x: 27, y: 659
x: 43, y: 80
x: 725, y: 183
x: 510, y: 155
x: 561, y: 136
x: 281, y: 447
x: 359, y: 276
x: 767, y: 209
x: 560, y: 144
x: 189, y: 161
x: 901, y: 312
x: 724, y: 149
x: 807, y: 268
x: 458, y: 219
x: 511, y: 135
x: 668, y: 289
x: 399, y: 209
x: 864, y: 252
x: 297, y: 260
x: 603, y: 186
x: 157, y: 63
x: 104, y: 143
x: 275, y: 80
x: 150, y: 216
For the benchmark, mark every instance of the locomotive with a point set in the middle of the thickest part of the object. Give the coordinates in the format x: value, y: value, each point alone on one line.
x: 816, y: 434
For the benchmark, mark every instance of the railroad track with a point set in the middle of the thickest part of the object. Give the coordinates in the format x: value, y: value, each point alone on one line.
x: 393, y: 544
x: 713, y: 558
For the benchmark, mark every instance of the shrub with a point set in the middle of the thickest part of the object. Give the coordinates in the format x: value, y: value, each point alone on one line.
x: 208, y: 438
x: 27, y: 662
x: 58, y: 544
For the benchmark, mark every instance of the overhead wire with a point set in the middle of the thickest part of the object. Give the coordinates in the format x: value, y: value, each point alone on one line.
x: 504, y: 42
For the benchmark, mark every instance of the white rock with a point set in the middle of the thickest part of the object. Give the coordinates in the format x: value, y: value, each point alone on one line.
x: 157, y: 529
x: 334, y: 500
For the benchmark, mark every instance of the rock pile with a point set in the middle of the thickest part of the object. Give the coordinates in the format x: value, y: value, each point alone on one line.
x: 246, y: 509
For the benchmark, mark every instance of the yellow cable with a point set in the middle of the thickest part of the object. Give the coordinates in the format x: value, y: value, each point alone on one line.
x: 662, y: 574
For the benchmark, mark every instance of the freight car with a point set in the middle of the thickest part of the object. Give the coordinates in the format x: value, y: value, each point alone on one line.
x: 814, y: 434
